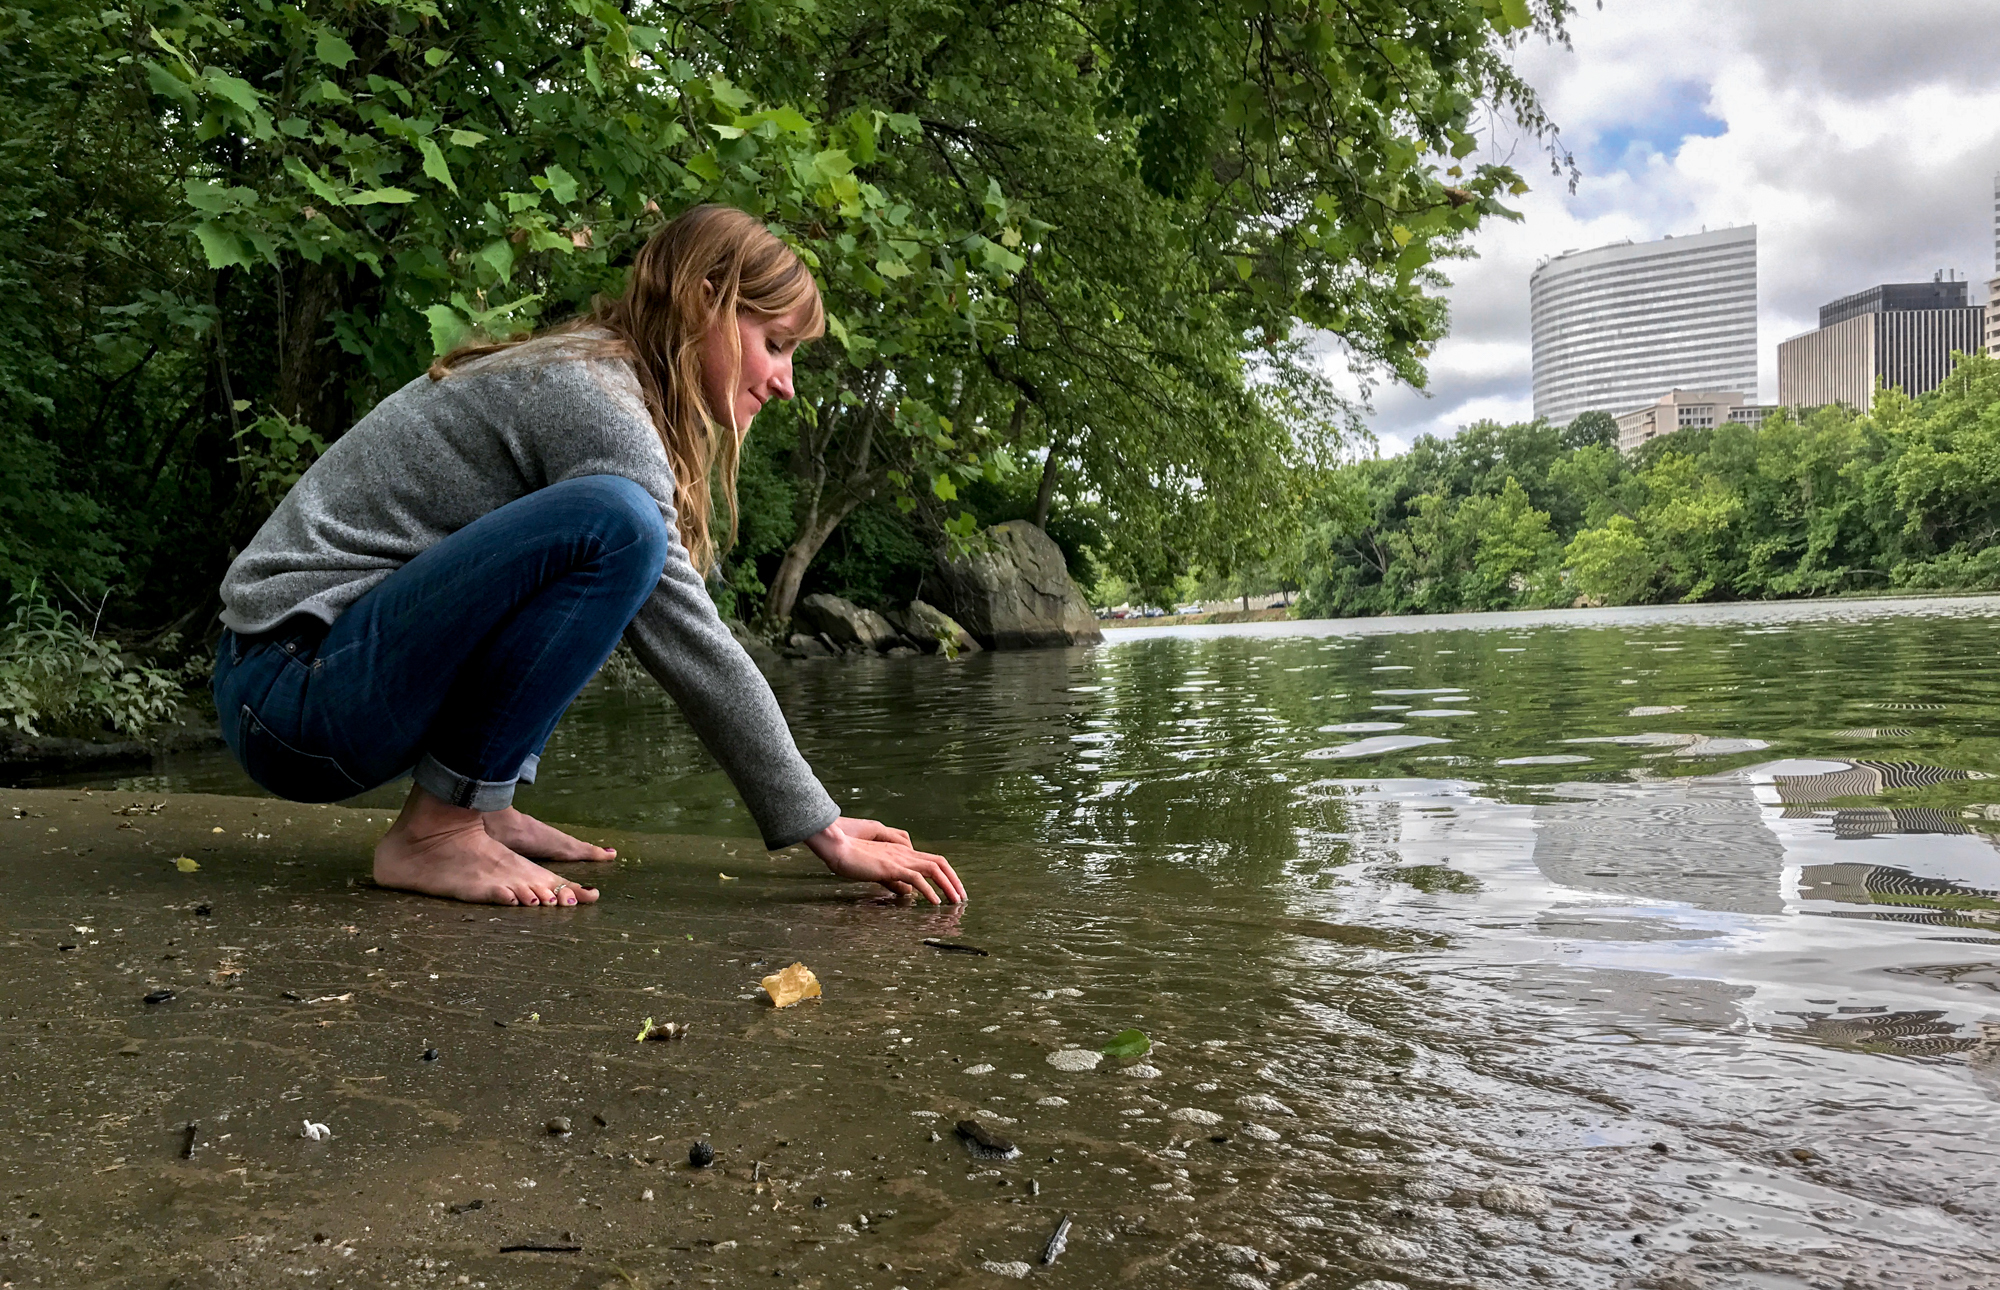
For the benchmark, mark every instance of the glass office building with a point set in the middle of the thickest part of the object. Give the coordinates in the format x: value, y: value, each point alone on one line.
x: 1618, y: 326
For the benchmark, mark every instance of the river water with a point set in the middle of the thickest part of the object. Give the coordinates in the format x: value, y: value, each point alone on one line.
x: 1641, y: 947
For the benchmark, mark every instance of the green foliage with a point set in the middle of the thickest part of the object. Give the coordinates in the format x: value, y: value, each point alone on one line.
x: 1906, y: 495
x: 59, y: 677
x: 1096, y: 231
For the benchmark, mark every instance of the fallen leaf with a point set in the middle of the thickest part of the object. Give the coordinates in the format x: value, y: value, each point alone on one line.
x: 790, y: 985
x: 186, y: 864
x: 1128, y: 1043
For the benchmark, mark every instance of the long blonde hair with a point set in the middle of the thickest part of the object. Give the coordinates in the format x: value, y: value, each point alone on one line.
x: 658, y: 326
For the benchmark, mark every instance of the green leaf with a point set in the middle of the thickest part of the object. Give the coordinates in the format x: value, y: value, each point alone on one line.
x: 221, y: 247
x: 562, y: 184
x: 466, y: 138
x: 447, y: 328
x: 332, y: 49
x: 945, y: 490
x: 497, y: 255
x: 232, y: 89
x: 434, y: 164
x: 382, y: 197
x: 1128, y: 1043
x: 167, y: 85
x: 1515, y: 12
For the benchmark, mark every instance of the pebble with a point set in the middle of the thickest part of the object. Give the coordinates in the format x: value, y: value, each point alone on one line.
x: 1259, y: 1133
x: 1244, y: 1281
x: 1377, y: 1283
x: 1195, y: 1115
x: 1052, y: 1100
x: 1266, y: 1103
x: 558, y: 1125
x: 701, y: 1155
x: 160, y: 996
x: 1515, y: 1198
x: 984, y: 1068
x: 1423, y: 1189
x: 1142, y: 1071
x: 1016, y: 1269
x: 430, y: 1054
x: 316, y: 1132
x: 1390, y: 1249
x: 1075, y: 1059
x: 1248, y: 1256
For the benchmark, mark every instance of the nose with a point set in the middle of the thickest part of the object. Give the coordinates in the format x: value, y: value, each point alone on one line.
x: 781, y: 379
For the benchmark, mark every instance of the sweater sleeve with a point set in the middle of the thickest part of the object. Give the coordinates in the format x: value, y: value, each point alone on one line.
x: 588, y: 419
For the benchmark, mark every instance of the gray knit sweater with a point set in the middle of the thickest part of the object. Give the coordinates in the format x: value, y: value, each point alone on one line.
x: 437, y: 455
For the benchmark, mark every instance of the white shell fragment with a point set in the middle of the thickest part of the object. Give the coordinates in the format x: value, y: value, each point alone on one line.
x: 1075, y: 1059
x: 1195, y: 1115
x: 316, y: 1132
x: 1266, y: 1103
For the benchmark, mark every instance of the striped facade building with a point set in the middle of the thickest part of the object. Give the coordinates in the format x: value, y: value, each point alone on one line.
x: 1900, y: 334
x: 1616, y: 327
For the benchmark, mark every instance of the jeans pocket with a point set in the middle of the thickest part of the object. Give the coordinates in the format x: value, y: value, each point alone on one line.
x: 293, y: 775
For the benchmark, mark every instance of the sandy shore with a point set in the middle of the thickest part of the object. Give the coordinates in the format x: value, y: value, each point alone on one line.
x: 302, y: 993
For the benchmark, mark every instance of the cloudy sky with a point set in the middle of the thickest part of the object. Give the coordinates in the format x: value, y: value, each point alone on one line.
x: 1861, y: 138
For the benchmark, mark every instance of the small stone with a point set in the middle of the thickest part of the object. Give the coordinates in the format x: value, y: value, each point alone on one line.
x: 1052, y: 1100
x: 1265, y: 1103
x: 1515, y: 1198
x: 1075, y: 1060
x: 1248, y: 1256
x: 131, y: 1049
x: 983, y: 1068
x: 790, y: 985
x: 160, y: 996
x: 1376, y: 1283
x: 316, y: 1132
x: 1143, y: 1071
x: 558, y: 1125
x: 1423, y: 1189
x: 1195, y: 1115
x: 1244, y: 1281
x: 467, y: 1206
x: 701, y: 1155
x: 1016, y: 1269
x: 430, y: 1054
x: 1259, y: 1133
x: 819, y: 1202
x: 647, y: 1194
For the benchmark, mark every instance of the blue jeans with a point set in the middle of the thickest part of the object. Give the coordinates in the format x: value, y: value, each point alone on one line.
x: 456, y: 666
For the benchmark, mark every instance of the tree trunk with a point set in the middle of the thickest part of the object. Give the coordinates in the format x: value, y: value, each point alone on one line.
x: 1046, y: 493
x: 784, y: 591
x: 310, y: 388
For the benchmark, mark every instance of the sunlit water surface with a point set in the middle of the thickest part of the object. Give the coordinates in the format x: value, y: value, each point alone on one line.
x: 1687, y: 917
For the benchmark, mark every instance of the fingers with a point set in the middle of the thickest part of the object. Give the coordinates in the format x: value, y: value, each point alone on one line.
x: 873, y: 831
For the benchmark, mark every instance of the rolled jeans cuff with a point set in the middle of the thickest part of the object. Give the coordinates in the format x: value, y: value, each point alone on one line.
x: 528, y: 768
x: 447, y: 785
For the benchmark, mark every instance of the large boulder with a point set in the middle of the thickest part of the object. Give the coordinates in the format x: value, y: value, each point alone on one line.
x: 844, y: 622
x: 1017, y: 594
x: 930, y: 627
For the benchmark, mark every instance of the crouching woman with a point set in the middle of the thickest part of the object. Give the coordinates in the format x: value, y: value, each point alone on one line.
x: 439, y: 586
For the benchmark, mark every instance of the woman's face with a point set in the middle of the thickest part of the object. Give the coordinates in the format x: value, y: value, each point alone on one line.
x: 768, y: 345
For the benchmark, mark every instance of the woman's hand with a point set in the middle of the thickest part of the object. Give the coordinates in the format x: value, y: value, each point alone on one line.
x: 868, y: 851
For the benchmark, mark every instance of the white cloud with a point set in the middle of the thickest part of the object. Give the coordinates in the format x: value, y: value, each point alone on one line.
x: 1860, y: 138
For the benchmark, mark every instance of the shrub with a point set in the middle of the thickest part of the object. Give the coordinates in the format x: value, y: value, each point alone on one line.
x: 58, y: 676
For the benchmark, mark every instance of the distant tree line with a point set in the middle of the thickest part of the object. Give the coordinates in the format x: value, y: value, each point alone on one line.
x: 1904, y: 496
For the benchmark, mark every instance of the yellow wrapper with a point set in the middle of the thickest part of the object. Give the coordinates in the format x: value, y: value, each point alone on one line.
x: 791, y: 985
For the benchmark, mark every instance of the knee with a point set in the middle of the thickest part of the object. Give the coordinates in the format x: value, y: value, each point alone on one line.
x: 624, y: 516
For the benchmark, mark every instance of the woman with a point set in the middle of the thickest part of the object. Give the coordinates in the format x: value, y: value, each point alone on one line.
x: 438, y: 587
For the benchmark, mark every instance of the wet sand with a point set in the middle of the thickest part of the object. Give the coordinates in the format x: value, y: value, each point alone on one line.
x: 1272, y: 1139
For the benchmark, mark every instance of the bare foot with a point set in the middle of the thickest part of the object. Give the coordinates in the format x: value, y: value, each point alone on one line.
x: 441, y: 850
x: 530, y: 837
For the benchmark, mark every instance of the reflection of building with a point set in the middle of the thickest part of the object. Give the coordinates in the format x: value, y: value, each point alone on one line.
x: 1899, y: 334
x: 1614, y: 326
x: 1865, y: 779
x: 1686, y: 410
x: 1703, y: 843
x: 1993, y: 284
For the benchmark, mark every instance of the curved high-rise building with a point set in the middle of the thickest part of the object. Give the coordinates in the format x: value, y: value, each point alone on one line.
x: 1618, y: 326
